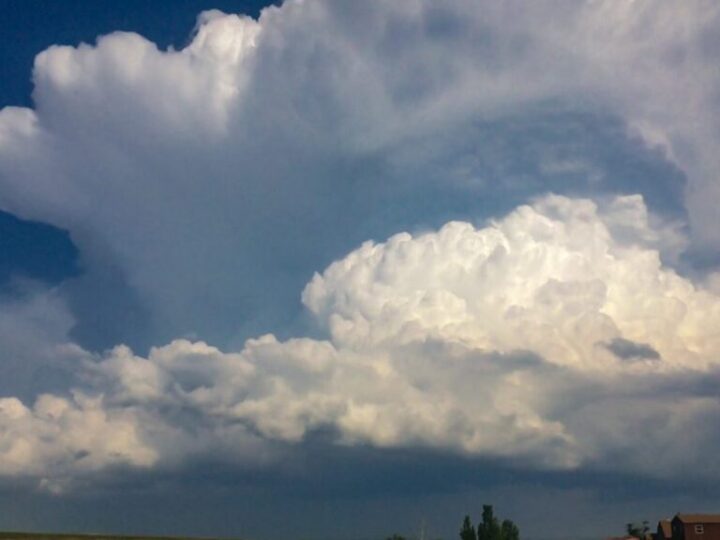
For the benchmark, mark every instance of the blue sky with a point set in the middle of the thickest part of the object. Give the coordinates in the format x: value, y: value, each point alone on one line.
x: 334, y: 269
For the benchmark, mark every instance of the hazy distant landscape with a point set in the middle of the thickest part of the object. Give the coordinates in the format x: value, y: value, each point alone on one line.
x: 70, y: 536
x: 58, y: 536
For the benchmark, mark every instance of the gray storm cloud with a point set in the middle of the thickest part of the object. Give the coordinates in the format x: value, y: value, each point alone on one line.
x: 488, y: 342
x: 203, y: 187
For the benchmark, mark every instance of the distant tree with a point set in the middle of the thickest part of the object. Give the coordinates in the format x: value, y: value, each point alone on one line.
x: 638, y: 531
x: 509, y: 531
x: 467, y: 531
x: 396, y: 537
x: 489, y: 529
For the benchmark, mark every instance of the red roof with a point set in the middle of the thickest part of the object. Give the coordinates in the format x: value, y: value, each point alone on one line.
x: 699, y: 518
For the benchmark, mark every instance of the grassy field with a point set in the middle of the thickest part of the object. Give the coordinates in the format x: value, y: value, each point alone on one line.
x: 53, y: 536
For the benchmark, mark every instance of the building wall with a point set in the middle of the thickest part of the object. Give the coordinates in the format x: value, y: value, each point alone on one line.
x: 686, y: 531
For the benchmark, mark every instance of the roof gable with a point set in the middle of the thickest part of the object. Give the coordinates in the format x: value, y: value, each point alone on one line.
x: 698, y: 518
x: 665, y: 526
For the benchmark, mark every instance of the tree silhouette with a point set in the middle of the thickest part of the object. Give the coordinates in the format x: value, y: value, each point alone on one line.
x: 509, y: 531
x: 638, y: 531
x: 467, y: 531
x: 489, y: 529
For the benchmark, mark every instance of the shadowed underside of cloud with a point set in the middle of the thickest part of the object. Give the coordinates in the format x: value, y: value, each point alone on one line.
x: 203, y: 187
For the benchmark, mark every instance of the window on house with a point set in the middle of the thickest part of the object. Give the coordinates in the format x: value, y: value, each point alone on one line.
x: 699, y: 529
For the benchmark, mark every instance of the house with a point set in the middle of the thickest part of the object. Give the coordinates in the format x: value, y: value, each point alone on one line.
x: 689, y: 527
x: 664, y: 530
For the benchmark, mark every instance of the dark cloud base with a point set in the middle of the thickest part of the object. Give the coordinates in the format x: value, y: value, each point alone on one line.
x: 346, y: 490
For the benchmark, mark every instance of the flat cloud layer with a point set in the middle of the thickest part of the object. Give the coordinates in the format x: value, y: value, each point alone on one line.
x: 203, y: 187
x: 501, y: 341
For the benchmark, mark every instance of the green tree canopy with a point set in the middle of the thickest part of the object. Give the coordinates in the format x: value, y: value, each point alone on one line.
x: 467, y: 531
x: 638, y: 531
x: 491, y: 529
x: 509, y: 531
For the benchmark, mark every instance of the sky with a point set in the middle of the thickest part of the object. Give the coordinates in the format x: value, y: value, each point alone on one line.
x: 335, y: 269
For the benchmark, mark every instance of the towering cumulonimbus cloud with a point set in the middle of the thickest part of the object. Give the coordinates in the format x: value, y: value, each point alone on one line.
x: 203, y: 187
x: 549, y: 336
x: 266, y: 149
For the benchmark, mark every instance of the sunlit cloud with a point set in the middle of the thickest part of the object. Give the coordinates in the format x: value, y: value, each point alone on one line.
x: 486, y: 231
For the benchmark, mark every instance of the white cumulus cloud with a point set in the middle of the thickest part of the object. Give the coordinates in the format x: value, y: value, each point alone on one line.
x: 552, y: 337
x: 266, y: 149
x: 558, y: 278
